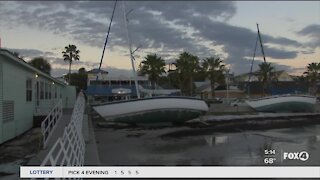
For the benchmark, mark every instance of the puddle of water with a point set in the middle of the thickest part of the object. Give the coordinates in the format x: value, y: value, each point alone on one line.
x: 187, y: 146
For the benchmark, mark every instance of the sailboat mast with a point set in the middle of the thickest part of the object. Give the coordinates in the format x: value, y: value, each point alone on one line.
x: 106, y: 41
x: 130, y: 50
x: 250, y: 74
x: 264, y: 57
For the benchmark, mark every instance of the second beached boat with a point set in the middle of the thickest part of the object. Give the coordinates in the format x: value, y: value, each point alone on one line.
x: 281, y: 103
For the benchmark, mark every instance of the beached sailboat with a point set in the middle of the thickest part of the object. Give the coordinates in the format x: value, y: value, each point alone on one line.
x: 150, y: 110
x: 281, y: 103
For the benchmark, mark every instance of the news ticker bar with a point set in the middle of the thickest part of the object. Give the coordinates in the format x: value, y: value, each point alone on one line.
x: 169, y: 172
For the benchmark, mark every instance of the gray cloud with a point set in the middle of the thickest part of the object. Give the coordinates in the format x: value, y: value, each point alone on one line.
x: 175, y: 10
x: 282, y: 41
x: 308, y: 51
x: 236, y: 39
x: 258, y: 61
x: 56, y: 63
x: 58, y: 72
x: 60, y: 61
x: 113, y: 71
x: 239, y: 42
x: 279, y: 53
x: 149, y: 31
x: 162, y: 25
x: 31, y: 52
x: 313, y: 32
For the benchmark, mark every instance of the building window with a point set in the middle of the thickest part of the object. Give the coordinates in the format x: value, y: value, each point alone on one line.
x: 46, y: 90
x: 55, y: 92
x: 41, y: 90
x: 50, y: 89
x: 29, y: 90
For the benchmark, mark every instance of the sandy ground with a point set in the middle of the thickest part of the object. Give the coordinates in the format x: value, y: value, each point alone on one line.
x: 189, y: 146
x: 19, y: 151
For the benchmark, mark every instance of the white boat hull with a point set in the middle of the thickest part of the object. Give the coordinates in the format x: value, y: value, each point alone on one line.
x: 153, y: 110
x: 284, y: 103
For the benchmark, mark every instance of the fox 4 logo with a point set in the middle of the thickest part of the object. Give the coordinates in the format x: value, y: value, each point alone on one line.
x: 302, y: 156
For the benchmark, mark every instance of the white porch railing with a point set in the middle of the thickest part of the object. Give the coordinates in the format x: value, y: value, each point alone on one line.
x: 70, y: 148
x: 49, y: 123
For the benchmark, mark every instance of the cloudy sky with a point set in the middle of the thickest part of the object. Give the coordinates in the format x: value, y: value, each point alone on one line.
x: 290, y: 32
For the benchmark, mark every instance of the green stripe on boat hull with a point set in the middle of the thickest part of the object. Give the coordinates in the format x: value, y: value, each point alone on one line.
x: 287, y: 107
x: 161, y: 116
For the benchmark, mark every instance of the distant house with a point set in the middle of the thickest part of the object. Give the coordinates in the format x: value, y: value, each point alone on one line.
x: 92, y: 76
x: 204, y: 92
x: 245, y: 78
x: 203, y: 89
x: 281, y: 76
x: 26, y: 92
x: 109, y: 88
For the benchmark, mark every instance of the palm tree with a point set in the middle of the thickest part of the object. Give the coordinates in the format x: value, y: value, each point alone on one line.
x: 174, y: 79
x: 187, y: 65
x: 153, y: 66
x: 213, y: 69
x: 313, y: 75
x: 266, y: 74
x: 70, y: 54
x: 41, y: 64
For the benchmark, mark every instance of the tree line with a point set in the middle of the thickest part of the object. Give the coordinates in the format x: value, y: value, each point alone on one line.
x: 187, y: 69
x: 182, y: 73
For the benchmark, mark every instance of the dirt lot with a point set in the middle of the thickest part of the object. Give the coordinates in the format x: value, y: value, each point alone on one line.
x: 18, y: 151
